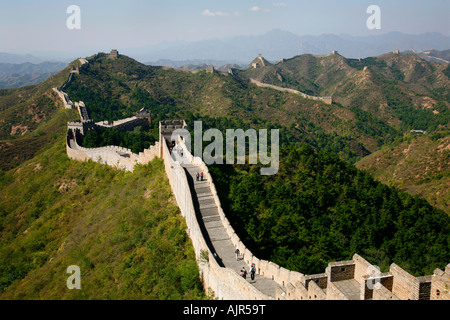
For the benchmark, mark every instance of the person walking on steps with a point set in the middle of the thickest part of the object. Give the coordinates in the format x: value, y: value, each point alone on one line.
x: 197, y: 176
x: 201, y: 176
x: 243, y: 273
x: 237, y: 253
x: 252, y: 271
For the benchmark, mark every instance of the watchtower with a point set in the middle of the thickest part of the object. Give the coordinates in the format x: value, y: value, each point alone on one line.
x: 166, y: 128
x: 144, y: 114
x: 113, y: 54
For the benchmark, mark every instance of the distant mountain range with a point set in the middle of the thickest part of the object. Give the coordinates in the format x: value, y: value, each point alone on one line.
x: 237, y: 51
x: 274, y: 45
x: 278, y: 44
x: 13, y: 75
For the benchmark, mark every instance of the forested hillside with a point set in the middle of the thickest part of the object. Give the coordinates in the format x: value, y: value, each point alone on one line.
x: 317, y: 203
x: 404, y: 90
x: 114, y: 89
x: 320, y: 209
x: 124, y: 230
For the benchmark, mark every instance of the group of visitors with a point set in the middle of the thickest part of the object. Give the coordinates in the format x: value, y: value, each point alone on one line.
x: 244, y: 272
x: 199, y: 176
x: 252, y: 272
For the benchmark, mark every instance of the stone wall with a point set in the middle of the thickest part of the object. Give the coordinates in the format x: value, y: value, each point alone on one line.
x: 81, y: 107
x: 399, y: 283
x: 440, y: 284
x: 315, y: 292
x: 422, y: 288
x: 382, y: 293
x: 68, y: 104
x: 124, y: 124
x: 384, y: 280
x: 225, y: 283
x: 333, y: 293
x: 407, y: 287
x: 327, y: 100
x: 342, y: 270
x: 265, y: 268
x: 403, y: 283
x: 118, y: 157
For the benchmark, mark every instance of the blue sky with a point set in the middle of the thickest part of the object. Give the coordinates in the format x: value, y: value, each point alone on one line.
x: 28, y: 25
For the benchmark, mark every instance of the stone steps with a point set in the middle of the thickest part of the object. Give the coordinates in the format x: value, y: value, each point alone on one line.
x: 217, y: 234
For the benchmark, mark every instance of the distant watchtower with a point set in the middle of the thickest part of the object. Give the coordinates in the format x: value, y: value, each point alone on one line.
x: 113, y: 54
x: 144, y: 114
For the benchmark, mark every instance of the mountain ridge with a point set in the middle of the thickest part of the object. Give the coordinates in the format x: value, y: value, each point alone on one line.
x: 277, y: 44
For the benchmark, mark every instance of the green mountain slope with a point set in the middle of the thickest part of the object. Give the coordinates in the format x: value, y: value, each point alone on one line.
x: 114, y: 89
x: 404, y: 90
x: 30, y: 119
x: 124, y: 231
x: 319, y: 209
x: 418, y: 165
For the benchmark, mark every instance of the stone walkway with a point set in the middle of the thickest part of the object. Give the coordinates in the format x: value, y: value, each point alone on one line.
x: 215, y: 234
x: 350, y: 288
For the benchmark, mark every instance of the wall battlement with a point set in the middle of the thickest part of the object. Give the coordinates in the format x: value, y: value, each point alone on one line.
x: 118, y: 157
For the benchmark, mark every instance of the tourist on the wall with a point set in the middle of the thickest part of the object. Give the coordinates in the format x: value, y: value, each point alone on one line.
x: 252, y: 271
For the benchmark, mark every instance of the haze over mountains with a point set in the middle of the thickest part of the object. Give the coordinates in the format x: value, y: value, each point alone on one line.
x: 14, y: 75
x: 24, y: 69
x: 278, y: 44
x: 274, y: 45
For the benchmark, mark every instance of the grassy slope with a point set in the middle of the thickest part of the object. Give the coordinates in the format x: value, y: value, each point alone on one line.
x: 419, y: 165
x: 122, y: 229
x: 30, y: 121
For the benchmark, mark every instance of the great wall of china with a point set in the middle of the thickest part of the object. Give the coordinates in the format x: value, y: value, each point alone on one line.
x: 215, y: 240
x: 327, y: 100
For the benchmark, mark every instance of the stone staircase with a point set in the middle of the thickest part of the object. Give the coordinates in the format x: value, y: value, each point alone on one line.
x: 215, y: 234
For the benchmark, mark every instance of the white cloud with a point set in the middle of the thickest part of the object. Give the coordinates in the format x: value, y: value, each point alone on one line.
x: 208, y: 13
x: 256, y: 9
x: 279, y: 4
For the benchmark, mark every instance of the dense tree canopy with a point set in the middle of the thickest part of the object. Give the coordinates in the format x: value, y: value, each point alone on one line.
x: 319, y: 209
